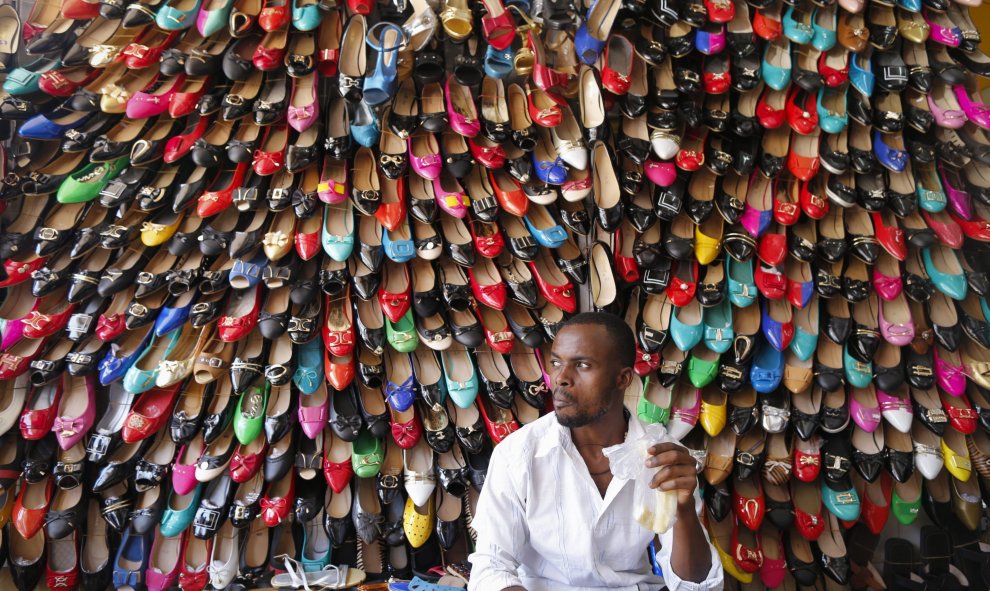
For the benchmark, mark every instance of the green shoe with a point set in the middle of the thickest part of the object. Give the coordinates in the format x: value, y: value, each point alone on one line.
x: 702, y: 367
x: 249, y: 417
x: 86, y: 183
x: 905, y: 503
x: 654, y: 403
x: 402, y: 335
x: 367, y: 455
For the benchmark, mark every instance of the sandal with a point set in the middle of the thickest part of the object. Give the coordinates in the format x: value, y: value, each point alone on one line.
x: 457, y: 19
x: 331, y: 577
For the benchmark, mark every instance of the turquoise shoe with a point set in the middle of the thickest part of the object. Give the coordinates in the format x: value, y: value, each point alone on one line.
x: 86, y: 183
x: 858, y: 374
x: 364, y: 126
x: 402, y: 335
x: 861, y: 75
x: 306, y: 17
x: 338, y: 230
x: 718, y: 327
x: 180, y: 511
x: 776, y: 65
x: 805, y: 341
x: 742, y: 285
x: 844, y: 504
x: 824, y: 37
x: 316, y: 548
x: 459, y: 375
x: 498, y: 64
x: 249, y: 417
x: 176, y: 15
x: 832, y: 121
x: 141, y: 376
x: 797, y: 31
x: 397, y: 245
x: 945, y: 271
x: 685, y: 326
x: 931, y: 195
x: 309, y: 371
x: 214, y: 17
x: 24, y: 80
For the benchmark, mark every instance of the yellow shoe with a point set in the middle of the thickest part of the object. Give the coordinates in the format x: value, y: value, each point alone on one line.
x: 958, y: 464
x: 720, y: 533
x: 417, y: 522
x: 713, y: 411
x: 708, y: 239
x: 158, y: 233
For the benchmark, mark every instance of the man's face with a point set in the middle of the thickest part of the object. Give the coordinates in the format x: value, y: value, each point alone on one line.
x: 587, y: 379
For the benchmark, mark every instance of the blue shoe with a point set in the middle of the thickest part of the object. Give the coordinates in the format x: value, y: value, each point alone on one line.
x: 858, y: 374
x: 910, y: 5
x: 824, y: 37
x: 364, y: 126
x: 40, y: 127
x: 175, y: 521
x: 708, y: 42
x: 379, y: 86
x: 338, y: 241
x: 797, y: 31
x: 768, y: 369
x: 306, y: 18
x: 247, y: 273
x: 131, y: 561
x: 688, y: 332
x: 592, y: 35
x: 112, y: 367
x: 777, y: 333
x: 718, y: 327
x: 951, y: 281
x: 172, y: 19
x: 142, y: 374
x: 24, y: 80
x: 860, y: 77
x: 742, y: 285
x: 843, y: 503
x: 398, y: 245
x: 172, y: 316
x: 498, y: 64
x: 776, y: 64
x: 832, y: 121
x: 459, y: 375
x: 551, y: 173
x: 804, y: 344
x: 309, y: 371
x: 891, y: 158
x: 401, y: 396
x: 552, y: 237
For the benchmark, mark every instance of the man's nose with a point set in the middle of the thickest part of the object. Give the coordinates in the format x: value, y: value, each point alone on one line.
x: 562, y: 376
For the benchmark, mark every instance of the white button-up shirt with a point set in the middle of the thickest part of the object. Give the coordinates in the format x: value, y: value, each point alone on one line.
x: 542, y: 523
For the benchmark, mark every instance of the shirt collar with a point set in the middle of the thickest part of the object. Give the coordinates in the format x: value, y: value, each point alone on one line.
x: 560, y: 436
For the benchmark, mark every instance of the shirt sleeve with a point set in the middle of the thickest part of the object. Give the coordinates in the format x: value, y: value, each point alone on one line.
x: 500, y: 522
x: 715, y: 579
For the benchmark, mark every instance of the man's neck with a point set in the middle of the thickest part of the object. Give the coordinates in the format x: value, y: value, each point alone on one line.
x: 606, y: 431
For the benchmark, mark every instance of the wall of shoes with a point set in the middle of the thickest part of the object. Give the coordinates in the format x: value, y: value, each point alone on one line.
x: 278, y: 275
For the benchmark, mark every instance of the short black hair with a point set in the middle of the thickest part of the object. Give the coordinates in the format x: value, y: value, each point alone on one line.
x: 623, y: 341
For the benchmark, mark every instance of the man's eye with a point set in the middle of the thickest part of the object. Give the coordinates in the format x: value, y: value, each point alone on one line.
x: 583, y: 365
x: 555, y: 363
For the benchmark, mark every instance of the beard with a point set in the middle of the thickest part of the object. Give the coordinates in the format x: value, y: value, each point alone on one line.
x: 580, y: 417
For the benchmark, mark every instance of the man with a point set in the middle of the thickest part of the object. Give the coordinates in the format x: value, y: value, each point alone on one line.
x: 552, y: 517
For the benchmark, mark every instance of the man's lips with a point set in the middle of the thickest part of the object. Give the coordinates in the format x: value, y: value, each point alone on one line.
x: 562, y: 399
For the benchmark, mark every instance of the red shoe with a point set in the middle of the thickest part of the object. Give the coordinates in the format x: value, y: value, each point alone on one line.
x: 786, y: 210
x: 625, y: 266
x: 720, y: 11
x: 773, y: 247
x: 498, y: 25
x: 307, y: 237
x: 37, y: 422
x: 748, y: 502
x: 68, y: 578
x: 194, y: 580
x: 770, y: 109
x: 406, y: 433
x: 63, y: 82
x: 278, y: 499
x: 802, y: 157
x: 692, y: 153
x: 544, y: 107
x: 509, y: 193
x: 718, y: 82
x: 498, y: 421
x: 147, y: 49
x: 271, y: 156
x: 220, y: 195
x: 812, y: 201
x: 946, y: 229
x: 774, y: 570
x: 770, y: 281
x: 485, y: 152
x: 834, y: 77
x: 962, y: 417
x: 20, y: 271
x: 395, y: 303
x: 545, y: 77
x: 807, y: 466
x: 392, y: 212
x: 767, y: 28
x: 875, y: 511
x: 339, y: 338
x: 274, y: 15
x: 29, y: 520
x: 184, y: 101
x: 17, y: 359
x: 488, y: 240
x: 553, y: 285
x: 490, y: 290
x: 339, y: 371
x: 618, y: 54
x: 49, y: 317
x: 234, y: 328
x: 977, y: 229
x: 338, y: 468
x: 362, y: 7
x: 497, y: 333
x: 682, y: 288
x: 746, y: 550
x: 330, y: 32
x: 245, y: 462
x: 889, y: 235
x: 80, y: 10
x: 180, y: 145
x: 808, y: 510
x: 800, y: 292
x: 110, y: 327
x: 149, y: 414
x: 646, y: 363
x: 802, y: 111
x: 271, y: 51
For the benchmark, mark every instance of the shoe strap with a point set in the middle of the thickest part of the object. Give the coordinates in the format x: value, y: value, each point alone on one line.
x: 374, y: 33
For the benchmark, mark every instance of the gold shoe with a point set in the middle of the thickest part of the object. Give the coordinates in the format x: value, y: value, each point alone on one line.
x: 956, y: 462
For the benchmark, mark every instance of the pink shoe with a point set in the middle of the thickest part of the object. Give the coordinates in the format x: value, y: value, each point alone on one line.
x: 165, y: 553
x: 683, y: 419
x: 304, y: 107
x: 952, y: 116
x: 661, y: 173
x: 450, y: 195
x: 578, y: 185
x: 975, y: 111
x: 184, y: 470
x: 941, y: 32
x: 424, y: 156
x: 864, y: 409
x: 461, y: 109
x: 76, y: 412
x: 333, y: 182
x: 896, y: 410
x: 896, y: 325
x: 949, y: 372
x: 13, y: 331
x: 154, y: 99
x: 888, y: 288
x: 313, y: 412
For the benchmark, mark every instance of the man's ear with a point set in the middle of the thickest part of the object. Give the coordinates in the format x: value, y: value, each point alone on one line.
x: 624, y: 378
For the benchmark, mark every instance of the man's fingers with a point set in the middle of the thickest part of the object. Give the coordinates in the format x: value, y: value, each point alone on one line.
x: 659, y: 448
x: 683, y: 483
x: 679, y: 456
x: 673, y: 473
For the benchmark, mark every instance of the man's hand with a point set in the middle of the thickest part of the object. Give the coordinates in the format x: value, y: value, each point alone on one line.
x: 678, y: 471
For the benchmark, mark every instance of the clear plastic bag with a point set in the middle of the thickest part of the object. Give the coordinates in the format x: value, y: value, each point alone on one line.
x: 652, y: 508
